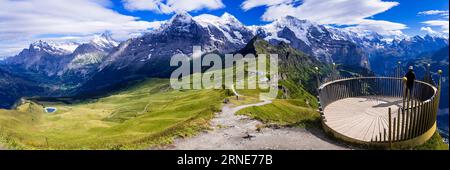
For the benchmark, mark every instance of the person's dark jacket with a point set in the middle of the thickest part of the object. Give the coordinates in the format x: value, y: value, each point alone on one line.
x: 411, y: 77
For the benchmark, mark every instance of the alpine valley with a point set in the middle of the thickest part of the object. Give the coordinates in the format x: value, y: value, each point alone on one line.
x: 88, y: 72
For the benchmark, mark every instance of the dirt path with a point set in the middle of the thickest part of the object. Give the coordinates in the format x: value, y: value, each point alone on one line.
x: 232, y: 132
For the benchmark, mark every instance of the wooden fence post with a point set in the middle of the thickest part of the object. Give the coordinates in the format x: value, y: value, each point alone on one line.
x: 398, y: 124
x: 390, y: 129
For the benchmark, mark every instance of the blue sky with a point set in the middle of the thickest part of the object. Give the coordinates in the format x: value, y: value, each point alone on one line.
x: 407, y: 12
x: 25, y: 21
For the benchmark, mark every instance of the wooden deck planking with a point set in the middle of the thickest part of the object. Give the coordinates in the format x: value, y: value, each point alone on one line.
x: 362, y: 118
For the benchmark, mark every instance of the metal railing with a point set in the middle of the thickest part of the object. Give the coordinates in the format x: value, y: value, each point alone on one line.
x: 415, y: 116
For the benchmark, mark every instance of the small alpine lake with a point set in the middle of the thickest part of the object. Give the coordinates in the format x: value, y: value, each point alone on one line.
x: 50, y: 109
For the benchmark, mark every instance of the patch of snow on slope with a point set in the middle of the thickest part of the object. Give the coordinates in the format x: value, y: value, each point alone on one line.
x: 85, y: 59
x: 69, y: 47
x: 227, y: 24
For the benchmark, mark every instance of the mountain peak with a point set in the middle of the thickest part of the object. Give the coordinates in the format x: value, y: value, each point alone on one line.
x: 47, y: 47
x: 54, y: 48
x: 289, y: 17
x: 291, y: 20
x: 225, y: 19
x: 106, y: 35
x: 228, y: 17
x: 181, y: 17
x: 415, y: 38
x: 104, y: 40
x: 39, y: 43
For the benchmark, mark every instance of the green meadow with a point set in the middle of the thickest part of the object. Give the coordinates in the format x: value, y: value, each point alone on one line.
x: 285, y: 113
x: 144, y: 115
x: 151, y: 114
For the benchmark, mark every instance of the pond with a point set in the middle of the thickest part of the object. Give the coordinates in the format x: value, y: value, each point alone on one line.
x: 50, y: 109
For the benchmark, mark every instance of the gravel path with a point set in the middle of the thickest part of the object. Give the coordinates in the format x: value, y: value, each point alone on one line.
x: 233, y: 132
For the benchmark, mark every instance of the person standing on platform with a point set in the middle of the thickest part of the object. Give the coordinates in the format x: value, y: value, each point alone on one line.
x: 410, y: 78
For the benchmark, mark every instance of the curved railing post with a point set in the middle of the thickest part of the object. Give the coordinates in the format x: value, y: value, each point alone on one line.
x: 390, y: 129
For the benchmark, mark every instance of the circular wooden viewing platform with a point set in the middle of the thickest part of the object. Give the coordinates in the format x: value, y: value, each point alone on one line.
x: 374, y: 111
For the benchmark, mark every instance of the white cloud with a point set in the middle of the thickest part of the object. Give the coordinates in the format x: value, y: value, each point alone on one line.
x: 249, y: 4
x: 25, y: 21
x: 340, y: 12
x: 184, y: 5
x: 279, y: 11
x: 146, y: 5
x: 435, y: 12
x: 383, y: 27
x: 170, y: 6
x: 428, y: 30
x: 442, y: 23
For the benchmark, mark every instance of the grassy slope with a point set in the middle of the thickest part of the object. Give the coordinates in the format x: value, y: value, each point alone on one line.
x: 295, y: 104
x: 284, y: 112
x: 435, y: 143
x: 151, y: 114
x: 138, y: 117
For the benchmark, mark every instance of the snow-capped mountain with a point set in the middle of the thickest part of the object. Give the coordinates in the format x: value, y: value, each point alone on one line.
x: 55, y: 49
x: 227, y: 34
x: 411, y: 48
x: 373, y: 42
x: 418, y: 44
x: 88, y: 56
x: 41, y: 57
x: 178, y: 36
x: 349, y: 45
x: 150, y: 54
x: 233, y: 30
x: 44, y: 59
x: 314, y: 39
x: 104, y: 41
x: 104, y: 60
x: 68, y: 47
x: 365, y: 38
